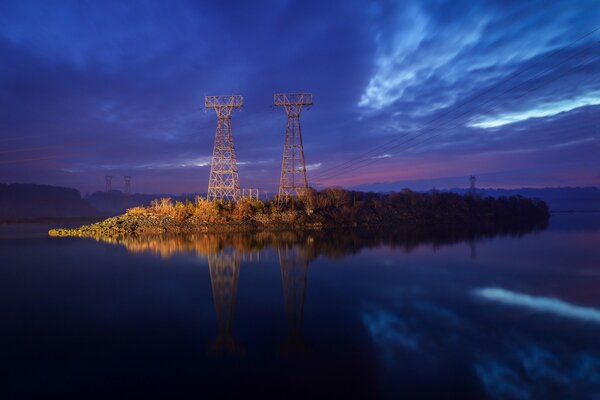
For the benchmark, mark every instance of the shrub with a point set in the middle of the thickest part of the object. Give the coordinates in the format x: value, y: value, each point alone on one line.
x: 161, y: 206
x: 137, y: 211
x: 243, y: 210
x: 207, y: 210
x: 179, y: 211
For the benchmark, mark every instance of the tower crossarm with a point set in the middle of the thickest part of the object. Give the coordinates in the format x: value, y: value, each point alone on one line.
x: 293, y: 99
x: 224, y: 105
x: 293, y: 102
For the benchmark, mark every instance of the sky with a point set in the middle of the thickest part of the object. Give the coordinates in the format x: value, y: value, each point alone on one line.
x: 416, y: 94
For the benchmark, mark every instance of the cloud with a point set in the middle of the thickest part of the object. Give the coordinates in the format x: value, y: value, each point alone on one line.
x: 541, y: 111
x: 121, y: 85
x: 312, y: 167
x: 387, y: 155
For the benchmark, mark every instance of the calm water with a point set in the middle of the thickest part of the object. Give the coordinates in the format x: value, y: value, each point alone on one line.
x: 361, y: 315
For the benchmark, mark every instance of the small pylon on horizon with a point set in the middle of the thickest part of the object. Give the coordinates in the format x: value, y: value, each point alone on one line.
x: 108, y: 179
x: 127, y: 185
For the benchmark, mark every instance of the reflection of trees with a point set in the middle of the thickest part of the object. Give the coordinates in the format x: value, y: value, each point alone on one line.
x: 330, y: 243
x: 473, y: 249
x: 293, y: 262
x: 224, y: 267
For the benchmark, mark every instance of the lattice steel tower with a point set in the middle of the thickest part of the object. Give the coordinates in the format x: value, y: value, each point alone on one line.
x: 224, y: 182
x: 293, y: 167
x: 108, y: 179
x: 127, y: 185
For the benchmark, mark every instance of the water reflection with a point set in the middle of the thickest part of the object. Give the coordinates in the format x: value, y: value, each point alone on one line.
x: 224, y: 267
x: 293, y: 262
x: 295, y: 250
x: 333, y: 244
x: 384, y: 314
x: 539, y: 303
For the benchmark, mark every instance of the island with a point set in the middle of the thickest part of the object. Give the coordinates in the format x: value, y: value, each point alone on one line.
x: 326, y: 209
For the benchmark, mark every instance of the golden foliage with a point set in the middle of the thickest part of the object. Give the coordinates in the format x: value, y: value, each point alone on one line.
x: 137, y: 211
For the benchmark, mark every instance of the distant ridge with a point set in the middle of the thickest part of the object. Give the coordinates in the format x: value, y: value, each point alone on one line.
x: 42, y: 201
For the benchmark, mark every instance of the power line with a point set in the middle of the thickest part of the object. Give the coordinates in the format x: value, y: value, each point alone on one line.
x: 28, y: 159
x: 367, y: 162
x: 529, y: 146
x: 566, y: 130
x: 454, y: 109
x: 28, y: 149
x: 465, y: 112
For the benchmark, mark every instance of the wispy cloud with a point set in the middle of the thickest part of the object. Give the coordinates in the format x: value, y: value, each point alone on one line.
x: 312, y: 167
x: 548, y: 109
x: 382, y: 156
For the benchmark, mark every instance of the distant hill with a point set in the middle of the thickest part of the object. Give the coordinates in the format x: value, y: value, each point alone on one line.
x: 558, y: 199
x: 22, y: 201
x: 19, y: 201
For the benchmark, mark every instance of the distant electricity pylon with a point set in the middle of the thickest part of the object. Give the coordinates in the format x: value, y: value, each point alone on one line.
x: 224, y: 182
x: 472, y: 180
x: 127, y: 185
x: 293, y: 167
x: 108, y: 183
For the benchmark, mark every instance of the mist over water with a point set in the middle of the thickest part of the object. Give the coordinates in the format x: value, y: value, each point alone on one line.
x: 360, y: 314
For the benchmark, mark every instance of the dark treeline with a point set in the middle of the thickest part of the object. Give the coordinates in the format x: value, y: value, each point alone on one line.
x: 331, y: 208
x: 41, y: 201
x: 338, y: 206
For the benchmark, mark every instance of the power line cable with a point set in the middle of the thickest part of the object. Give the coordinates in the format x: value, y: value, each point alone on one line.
x: 454, y: 109
x: 370, y: 161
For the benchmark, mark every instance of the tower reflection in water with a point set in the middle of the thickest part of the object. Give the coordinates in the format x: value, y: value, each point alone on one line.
x: 225, y: 254
x: 293, y: 262
x: 224, y: 267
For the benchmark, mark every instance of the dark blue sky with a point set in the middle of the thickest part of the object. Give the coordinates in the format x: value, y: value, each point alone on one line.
x: 507, y: 91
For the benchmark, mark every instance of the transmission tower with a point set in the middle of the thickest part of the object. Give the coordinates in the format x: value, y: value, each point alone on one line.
x: 224, y: 275
x: 108, y: 183
x: 294, y: 267
x: 127, y: 185
x: 224, y: 182
x: 293, y: 180
x: 472, y: 180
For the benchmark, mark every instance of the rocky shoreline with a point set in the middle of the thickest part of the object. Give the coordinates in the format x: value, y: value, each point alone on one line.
x: 147, y: 224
